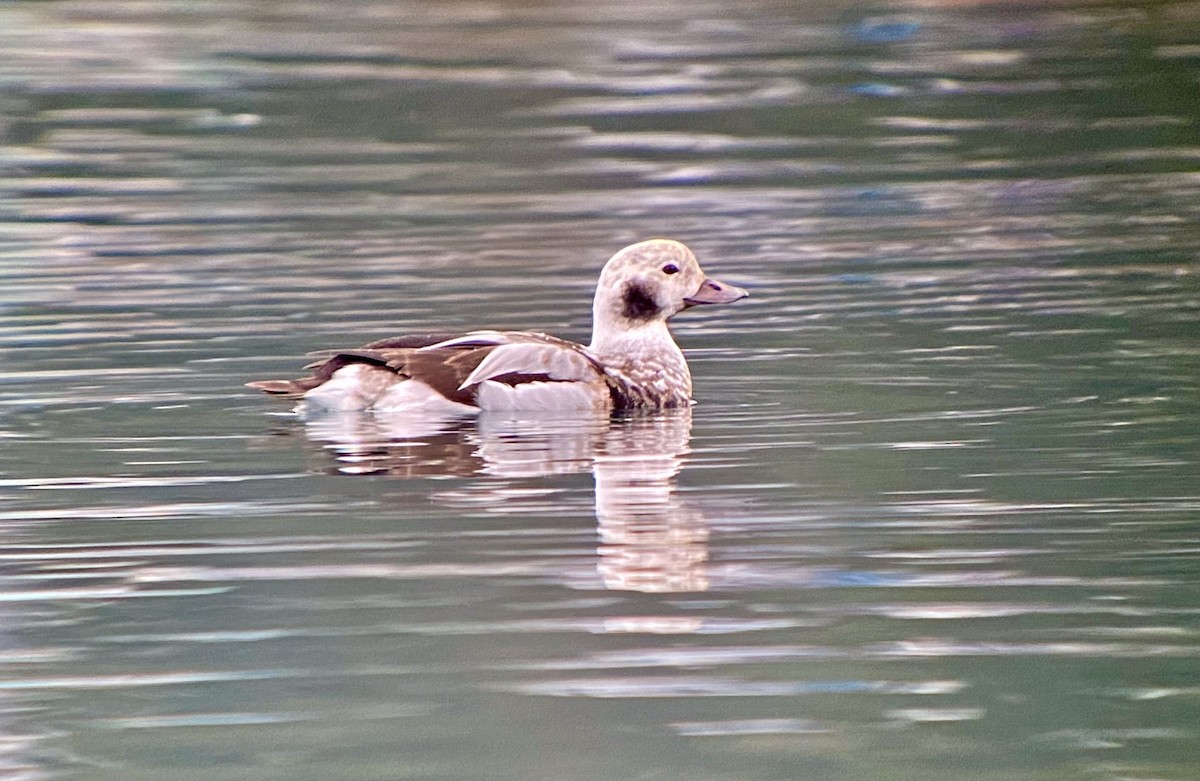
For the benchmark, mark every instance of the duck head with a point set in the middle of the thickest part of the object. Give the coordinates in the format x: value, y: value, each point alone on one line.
x: 647, y: 283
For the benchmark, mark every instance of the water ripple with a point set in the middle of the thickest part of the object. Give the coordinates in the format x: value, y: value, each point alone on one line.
x: 749, y: 727
x: 937, y: 498
x: 644, y: 687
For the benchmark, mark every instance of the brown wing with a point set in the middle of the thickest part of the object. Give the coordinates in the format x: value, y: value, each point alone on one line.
x: 409, y: 341
x: 443, y: 369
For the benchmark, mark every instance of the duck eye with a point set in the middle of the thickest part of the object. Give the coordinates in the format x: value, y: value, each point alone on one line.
x: 670, y: 268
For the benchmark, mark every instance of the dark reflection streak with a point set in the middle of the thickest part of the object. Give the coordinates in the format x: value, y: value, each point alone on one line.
x: 650, y: 539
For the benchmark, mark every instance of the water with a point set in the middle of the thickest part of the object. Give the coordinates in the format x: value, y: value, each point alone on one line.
x: 936, y: 513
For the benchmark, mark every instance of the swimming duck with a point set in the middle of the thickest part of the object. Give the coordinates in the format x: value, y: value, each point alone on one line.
x: 631, y: 363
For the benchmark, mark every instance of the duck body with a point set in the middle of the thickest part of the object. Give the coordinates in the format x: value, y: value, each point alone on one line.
x: 632, y: 361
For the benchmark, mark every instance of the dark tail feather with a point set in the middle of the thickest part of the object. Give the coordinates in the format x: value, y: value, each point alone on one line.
x: 322, y: 371
x: 290, y: 389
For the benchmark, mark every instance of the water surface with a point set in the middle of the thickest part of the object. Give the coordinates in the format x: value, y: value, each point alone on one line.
x: 935, y: 515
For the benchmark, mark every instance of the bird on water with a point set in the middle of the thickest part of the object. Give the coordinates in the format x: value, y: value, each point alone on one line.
x: 632, y: 361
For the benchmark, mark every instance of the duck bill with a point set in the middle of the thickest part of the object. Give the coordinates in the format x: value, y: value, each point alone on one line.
x: 713, y: 292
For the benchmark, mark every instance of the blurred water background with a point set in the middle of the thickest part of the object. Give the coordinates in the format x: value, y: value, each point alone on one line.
x: 935, y: 516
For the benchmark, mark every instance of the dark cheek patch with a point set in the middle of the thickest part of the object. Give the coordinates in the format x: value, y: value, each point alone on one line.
x: 638, y: 304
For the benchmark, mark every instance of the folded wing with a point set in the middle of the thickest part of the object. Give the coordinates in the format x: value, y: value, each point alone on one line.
x: 481, y: 369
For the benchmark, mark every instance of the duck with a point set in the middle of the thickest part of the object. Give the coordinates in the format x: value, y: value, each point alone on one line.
x: 631, y: 363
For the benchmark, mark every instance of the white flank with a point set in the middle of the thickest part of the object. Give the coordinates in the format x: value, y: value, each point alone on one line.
x: 358, y: 387
x: 416, y: 396
x: 540, y: 396
x: 345, y: 391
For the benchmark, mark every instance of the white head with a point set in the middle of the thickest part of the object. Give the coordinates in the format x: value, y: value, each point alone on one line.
x: 646, y: 284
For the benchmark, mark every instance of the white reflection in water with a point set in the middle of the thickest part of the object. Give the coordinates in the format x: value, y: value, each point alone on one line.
x: 651, y: 540
x: 749, y: 727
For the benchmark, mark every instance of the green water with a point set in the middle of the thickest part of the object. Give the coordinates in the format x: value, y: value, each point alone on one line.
x: 935, y: 515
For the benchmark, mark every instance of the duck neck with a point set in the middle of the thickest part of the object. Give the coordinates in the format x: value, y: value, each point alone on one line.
x: 643, y: 353
x: 613, y: 341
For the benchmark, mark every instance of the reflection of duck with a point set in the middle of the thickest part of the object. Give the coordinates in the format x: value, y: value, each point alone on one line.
x: 650, y: 540
x: 631, y: 363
